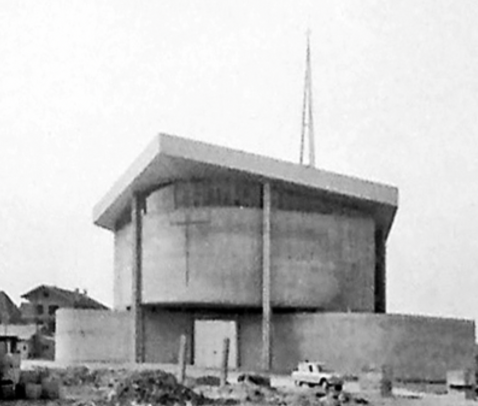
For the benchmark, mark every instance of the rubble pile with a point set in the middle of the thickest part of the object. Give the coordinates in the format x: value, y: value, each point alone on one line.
x: 245, y: 391
x: 77, y: 376
x: 153, y: 387
x: 123, y: 387
x: 207, y: 380
x: 257, y: 388
x: 80, y: 375
x: 255, y: 379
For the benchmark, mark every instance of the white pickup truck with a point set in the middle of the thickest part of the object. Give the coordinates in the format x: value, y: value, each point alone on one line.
x: 315, y: 374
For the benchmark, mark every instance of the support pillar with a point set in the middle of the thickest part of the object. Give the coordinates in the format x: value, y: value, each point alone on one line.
x: 136, y: 309
x: 380, y: 274
x: 266, y: 276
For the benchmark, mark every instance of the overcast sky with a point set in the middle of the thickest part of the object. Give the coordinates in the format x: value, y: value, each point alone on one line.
x: 85, y: 85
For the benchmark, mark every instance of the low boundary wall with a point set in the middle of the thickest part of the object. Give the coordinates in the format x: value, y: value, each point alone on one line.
x: 93, y: 336
x: 416, y: 347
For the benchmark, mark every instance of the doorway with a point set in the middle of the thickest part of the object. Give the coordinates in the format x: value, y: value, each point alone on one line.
x: 209, y: 337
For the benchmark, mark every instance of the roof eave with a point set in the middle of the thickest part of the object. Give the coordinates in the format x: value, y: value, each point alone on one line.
x: 123, y: 184
x: 107, y: 211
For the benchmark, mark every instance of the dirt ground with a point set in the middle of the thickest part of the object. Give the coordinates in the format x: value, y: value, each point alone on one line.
x: 100, y: 385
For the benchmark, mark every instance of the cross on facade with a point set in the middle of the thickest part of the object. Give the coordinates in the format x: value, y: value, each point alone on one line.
x: 186, y: 219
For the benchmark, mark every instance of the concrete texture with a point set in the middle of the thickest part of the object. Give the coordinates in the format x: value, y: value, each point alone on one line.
x: 165, y: 327
x: 415, y: 347
x: 322, y: 261
x: 137, y: 248
x: 208, y: 343
x: 203, y: 262
x: 213, y: 255
x: 380, y: 280
x: 422, y: 348
x: 93, y: 335
x: 266, y: 277
x: 317, y: 261
x: 170, y: 158
x: 249, y: 332
x: 207, y: 245
x: 162, y: 332
x: 123, y: 267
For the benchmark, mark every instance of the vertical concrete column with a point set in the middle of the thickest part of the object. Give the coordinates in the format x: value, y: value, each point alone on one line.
x: 266, y: 276
x: 380, y: 275
x: 182, y: 359
x: 137, y: 311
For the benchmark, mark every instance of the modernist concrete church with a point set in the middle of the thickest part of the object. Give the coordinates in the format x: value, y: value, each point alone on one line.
x: 287, y: 261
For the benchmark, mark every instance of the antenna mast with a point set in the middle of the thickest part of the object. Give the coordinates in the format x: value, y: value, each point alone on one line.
x: 307, y: 111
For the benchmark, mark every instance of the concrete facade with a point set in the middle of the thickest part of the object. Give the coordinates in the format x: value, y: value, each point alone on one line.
x: 292, y: 257
x: 416, y: 347
x: 212, y: 255
x: 93, y: 335
x: 229, y: 229
x: 169, y: 158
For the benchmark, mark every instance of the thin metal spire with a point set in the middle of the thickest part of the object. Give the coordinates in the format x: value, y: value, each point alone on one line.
x: 307, y: 111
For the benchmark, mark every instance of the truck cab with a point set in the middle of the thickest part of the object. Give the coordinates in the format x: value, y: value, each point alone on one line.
x: 313, y: 373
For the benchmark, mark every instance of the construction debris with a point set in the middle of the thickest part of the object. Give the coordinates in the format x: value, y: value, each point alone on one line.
x: 153, y: 387
x: 79, y: 375
x: 207, y: 380
x: 125, y: 387
x: 255, y: 379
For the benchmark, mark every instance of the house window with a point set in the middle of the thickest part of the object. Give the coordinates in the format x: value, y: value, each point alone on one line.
x: 51, y: 326
x: 39, y: 309
x: 52, y: 309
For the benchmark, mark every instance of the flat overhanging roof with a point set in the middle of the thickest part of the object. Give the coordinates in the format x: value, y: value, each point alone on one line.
x: 168, y: 158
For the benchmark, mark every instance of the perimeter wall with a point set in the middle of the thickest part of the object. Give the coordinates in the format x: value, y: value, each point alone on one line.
x: 417, y: 347
x: 93, y: 336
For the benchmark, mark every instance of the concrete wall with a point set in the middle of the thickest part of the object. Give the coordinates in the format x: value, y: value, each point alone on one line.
x: 416, y: 347
x: 93, y: 335
x: 123, y: 267
x: 164, y: 328
x: 162, y: 332
x: 213, y: 259
x: 322, y: 261
x: 250, y: 341
x: 212, y: 255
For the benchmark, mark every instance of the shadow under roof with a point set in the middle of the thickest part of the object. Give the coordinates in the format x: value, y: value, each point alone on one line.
x: 169, y: 158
